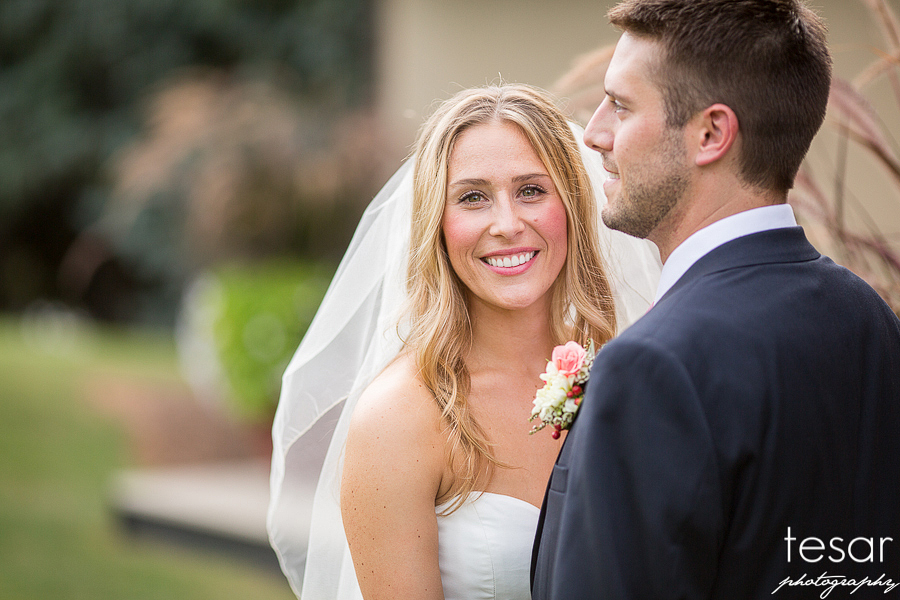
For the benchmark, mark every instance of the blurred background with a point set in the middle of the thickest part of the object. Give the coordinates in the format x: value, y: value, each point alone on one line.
x: 178, y: 181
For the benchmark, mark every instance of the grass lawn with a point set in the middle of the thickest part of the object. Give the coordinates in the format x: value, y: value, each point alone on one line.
x: 57, y: 455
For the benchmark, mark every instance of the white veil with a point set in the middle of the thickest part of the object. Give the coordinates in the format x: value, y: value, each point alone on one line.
x: 352, y: 338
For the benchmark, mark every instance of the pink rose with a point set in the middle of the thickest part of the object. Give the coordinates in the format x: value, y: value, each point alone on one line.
x: 568, y: 358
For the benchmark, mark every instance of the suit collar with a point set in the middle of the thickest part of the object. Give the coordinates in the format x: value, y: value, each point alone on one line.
x: 707, y: 239
x: 787, y: 244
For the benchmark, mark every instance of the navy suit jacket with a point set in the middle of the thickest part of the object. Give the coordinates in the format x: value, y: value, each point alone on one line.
x: 757, y: 402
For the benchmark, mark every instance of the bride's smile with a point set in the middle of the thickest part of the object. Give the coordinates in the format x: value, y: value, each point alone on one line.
x: 504, y: 223
x: 506, y: 262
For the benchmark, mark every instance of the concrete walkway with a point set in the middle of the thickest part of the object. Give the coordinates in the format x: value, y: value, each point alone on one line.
x: 219, y: 506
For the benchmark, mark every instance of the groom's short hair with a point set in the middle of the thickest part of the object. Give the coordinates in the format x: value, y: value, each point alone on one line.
x: 765, y: 59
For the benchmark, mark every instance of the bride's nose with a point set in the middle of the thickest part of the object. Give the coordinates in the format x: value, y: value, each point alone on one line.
x: 507, y: 221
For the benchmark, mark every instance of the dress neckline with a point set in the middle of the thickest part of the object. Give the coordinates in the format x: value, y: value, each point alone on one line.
x: 478, y: 494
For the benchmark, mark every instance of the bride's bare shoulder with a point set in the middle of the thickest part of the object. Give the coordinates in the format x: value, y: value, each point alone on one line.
x: 395, y: 443
x: 398, y: 401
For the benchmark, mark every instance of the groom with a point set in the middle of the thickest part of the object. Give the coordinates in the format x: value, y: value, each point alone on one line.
x: 741, y: 440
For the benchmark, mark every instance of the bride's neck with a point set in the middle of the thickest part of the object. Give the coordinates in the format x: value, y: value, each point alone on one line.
x: 520, y: 337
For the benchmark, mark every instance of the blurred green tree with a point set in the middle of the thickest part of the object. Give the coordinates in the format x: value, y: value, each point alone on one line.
x: 72, y: 77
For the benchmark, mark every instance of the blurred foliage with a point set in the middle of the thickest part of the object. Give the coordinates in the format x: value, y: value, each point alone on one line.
x: 57, y: 535
x: 73, y: 74
x: 254, y: 316
x: 229, y: 168
x: 71, y: 70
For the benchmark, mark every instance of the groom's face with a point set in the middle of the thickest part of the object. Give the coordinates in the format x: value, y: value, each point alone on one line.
x: 645, y: 158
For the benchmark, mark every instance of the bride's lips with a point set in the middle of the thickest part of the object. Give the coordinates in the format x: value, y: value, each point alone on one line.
x: 510, y: 262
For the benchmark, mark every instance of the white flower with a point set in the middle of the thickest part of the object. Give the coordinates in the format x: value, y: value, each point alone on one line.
x: 557, y: 402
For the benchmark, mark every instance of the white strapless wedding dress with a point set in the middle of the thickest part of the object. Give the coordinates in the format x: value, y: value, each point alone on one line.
x: 485, y: 548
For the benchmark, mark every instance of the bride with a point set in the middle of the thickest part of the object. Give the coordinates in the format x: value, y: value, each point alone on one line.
x: 462, y: 277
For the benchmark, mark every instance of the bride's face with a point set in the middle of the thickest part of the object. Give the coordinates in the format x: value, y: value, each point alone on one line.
x: 504, y: 222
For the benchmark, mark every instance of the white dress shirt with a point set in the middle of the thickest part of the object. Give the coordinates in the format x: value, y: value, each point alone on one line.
x: 712, y: 236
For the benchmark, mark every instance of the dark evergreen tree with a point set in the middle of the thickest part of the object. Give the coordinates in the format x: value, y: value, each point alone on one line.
x: 73, y: 73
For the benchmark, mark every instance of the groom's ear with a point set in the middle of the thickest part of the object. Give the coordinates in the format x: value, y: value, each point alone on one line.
x: 715, y: 131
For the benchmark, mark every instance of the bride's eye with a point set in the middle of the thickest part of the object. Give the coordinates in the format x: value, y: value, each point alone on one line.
x: 472, y: 198
x: 532, y: 191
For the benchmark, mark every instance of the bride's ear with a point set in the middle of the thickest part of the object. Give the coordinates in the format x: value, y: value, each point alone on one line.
x: 715, y: 132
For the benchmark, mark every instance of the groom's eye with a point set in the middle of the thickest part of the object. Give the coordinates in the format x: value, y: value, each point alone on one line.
x: 617, y: 106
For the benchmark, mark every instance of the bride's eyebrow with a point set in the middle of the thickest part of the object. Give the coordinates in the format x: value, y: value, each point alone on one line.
x: 484, y: 182
x: 469, y: 182
x: 529, y: 177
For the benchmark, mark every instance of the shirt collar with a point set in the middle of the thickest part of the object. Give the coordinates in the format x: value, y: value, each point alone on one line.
x: 712, y: 236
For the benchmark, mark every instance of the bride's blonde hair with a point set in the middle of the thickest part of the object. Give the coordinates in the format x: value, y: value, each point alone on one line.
x: 440, y: 333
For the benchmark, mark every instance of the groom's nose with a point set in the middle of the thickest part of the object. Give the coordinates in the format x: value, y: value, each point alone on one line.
x: 598, y: 134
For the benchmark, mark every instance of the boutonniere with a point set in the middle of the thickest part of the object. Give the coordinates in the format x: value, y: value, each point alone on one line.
x: 567, y: 374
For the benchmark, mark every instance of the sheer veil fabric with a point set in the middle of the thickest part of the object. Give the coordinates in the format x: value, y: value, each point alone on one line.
x: 354, y: 335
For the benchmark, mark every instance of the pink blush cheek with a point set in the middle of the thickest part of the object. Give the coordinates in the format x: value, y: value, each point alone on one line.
x: 459, y: 236
x: 553, y: 226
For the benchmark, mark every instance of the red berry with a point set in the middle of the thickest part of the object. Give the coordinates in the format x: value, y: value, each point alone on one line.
x: 570, y: 393
x: 576, y: 389
x: 555, y: 434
